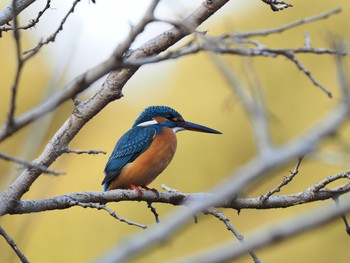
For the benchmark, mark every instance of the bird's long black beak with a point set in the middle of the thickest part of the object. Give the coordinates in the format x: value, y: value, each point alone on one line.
x: 195, y: 127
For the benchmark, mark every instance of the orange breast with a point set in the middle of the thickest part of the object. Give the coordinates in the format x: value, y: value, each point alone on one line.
x: 149, y: 164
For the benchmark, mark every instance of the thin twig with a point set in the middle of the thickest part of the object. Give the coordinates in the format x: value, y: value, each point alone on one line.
x: 13, y: 245
x: 31, y: 52
x: 283, y: 28
x: 14, y: 88
x: 29, y: 165
x: 277, y: 5
x: 343, y: 216
x: 8, y: 13
x: 329, y: 179
x: 284, y: 182
x: 214, y: 45
x: 66, y: 150
x: 110, y: 211
x: 154, y: 211
x: 219, y: 215
x: 148, y: 17
x: 307, y: 73
x: 32, y: 22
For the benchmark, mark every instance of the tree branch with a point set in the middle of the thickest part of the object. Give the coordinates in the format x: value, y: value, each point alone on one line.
x: 32, y: 22
x: 317, y: 192
x: 9, y: 12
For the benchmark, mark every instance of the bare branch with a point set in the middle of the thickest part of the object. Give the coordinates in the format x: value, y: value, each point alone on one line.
x: 29, y: 165
x: 16, y: 36
x: 177, y: 198
x: 219, y: 215
x: 110, y: 211
x: 9, y: 12
x: 52, y: 38
x: 285, y: 181
x: 144, y: 55
x: 32, y: 22
x: 277, y: 5
x: 66, y: 150
x: 154, y: 211
x: 307, y: 73
x: 273, y: 234
x: 251, y: 102
x: 283, y: 28
x: 13, y: 245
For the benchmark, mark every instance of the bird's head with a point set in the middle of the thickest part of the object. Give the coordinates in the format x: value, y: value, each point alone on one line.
x: 168, y: 117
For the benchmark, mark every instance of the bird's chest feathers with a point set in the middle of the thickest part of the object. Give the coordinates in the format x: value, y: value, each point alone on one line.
x: 153, y: 161
x: 161, y: 150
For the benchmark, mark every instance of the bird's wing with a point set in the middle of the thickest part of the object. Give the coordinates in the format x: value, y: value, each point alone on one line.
x: 128, y: 148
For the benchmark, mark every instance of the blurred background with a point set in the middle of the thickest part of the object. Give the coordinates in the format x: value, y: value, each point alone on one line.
x: 193, y: 86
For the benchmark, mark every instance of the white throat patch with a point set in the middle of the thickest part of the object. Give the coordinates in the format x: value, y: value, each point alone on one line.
x: 177, y: 129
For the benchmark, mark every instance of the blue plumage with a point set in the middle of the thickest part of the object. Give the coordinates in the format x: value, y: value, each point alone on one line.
x: 128, y: 148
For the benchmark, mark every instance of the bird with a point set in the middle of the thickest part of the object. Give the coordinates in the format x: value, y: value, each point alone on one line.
x: 145, y: 150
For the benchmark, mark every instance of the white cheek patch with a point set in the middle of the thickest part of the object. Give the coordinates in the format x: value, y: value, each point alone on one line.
x: 147, y: 123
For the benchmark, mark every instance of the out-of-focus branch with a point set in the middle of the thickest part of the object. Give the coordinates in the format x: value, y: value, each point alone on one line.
x: 219, y: 215
x: 281, y: 29
x: 273, y: 234
x: 52, y: 38
x: 13, y: 245
x: 20, y: 62
x: 23, y: 163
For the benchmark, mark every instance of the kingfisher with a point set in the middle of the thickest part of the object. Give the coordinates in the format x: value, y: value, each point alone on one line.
x: 145, y: 150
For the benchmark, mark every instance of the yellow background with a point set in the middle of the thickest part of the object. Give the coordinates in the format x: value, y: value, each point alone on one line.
x: 193, y: 86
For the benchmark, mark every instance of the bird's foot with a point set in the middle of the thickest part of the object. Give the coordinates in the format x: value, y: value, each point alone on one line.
x: 138, y: 191
x: 151, y: 189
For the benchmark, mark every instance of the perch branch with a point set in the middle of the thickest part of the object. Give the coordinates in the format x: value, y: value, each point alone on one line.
x: 311, y: 194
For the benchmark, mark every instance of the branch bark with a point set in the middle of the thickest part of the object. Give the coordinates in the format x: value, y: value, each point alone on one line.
x: 8, y: 13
